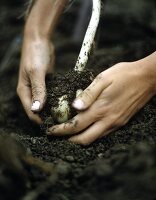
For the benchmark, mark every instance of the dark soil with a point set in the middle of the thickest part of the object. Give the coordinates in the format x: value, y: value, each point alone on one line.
x: 118, y: 166
x: 59, y: 85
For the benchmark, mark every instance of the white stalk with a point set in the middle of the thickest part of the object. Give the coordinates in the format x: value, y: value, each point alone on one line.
x: 89, y: 37
x: 62, y: 112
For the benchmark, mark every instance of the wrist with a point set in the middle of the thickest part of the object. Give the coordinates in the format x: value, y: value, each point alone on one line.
x: 43, y: 18
x: 33, y: 33
x: 147, y: 67
x: 33, y: 36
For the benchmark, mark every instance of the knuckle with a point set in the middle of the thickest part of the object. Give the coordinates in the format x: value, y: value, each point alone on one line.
x: 31, y: 71
x: 117, y: 121
x: 38, y: 90
x: 69, y: 129
x: 34, y: 71
x: 103, y: 78
x: 100, y: 76
x: 98, y: 115
x: 88, y: 95
x: 72, y: 126
x: 100, y: 110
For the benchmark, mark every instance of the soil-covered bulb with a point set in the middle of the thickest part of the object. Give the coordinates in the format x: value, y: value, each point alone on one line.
x: 61, y: 91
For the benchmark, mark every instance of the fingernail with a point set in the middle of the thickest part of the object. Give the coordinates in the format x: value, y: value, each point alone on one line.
x: 78, y: 104
x: 35, y: 106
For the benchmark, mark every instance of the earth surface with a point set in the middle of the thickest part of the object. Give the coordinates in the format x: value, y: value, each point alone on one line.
x: 121, y: 165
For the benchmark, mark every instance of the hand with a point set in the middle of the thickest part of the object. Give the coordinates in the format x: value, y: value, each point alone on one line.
x: 37, y: 60
x: 108, y: 103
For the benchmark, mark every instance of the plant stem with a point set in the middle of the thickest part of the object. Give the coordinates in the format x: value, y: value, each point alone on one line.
x: 89, y: 37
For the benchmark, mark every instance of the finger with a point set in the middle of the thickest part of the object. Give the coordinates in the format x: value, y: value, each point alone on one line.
x: 24, y: 93
x: 75, y: 125
x: 95, y: 131
x: 90, y: 94
x: 38, y: 91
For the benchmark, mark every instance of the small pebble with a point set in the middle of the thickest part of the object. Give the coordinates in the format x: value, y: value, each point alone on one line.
x: 70, y: 158
x: 33, y: 140
x: 100, y: 155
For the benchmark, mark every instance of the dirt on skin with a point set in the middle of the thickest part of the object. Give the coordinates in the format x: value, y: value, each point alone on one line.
x: 119, y: 166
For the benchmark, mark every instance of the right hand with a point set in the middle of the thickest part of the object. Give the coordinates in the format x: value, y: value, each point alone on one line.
x: 109, y: 102
x: 37, y: 60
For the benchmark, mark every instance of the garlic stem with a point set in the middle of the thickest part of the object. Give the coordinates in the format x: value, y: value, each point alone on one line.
x: 89, y: 37
x: 62, y: 112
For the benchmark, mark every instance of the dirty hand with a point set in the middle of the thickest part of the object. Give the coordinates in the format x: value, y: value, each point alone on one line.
x: 108, y: 103
x: 37, y: 60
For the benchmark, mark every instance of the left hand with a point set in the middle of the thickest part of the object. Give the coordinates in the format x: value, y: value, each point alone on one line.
x: 37, y: 60
x: 108, y: 103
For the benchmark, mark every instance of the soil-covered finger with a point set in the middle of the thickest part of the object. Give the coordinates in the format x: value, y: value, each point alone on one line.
x: 75, y: 125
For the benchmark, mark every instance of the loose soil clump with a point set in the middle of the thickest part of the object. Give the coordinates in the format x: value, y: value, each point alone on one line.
x: 59, y: 85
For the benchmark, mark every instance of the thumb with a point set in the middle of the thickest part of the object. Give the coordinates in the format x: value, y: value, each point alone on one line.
x: 91, y: 93
x: 38, y: 88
